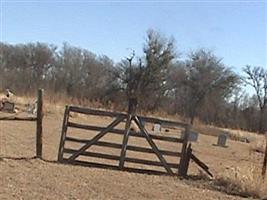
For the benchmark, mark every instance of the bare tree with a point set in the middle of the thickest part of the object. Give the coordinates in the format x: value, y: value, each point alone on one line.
x: 145, y: 79
x: 129, y: 75
x: 131, y: 80
x: 206, y: 74
x: 257, y: 78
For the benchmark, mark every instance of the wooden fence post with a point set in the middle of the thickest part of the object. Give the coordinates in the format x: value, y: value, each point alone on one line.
x: 39, y: 124
x: 182, y: 166
x: 265, y: 158
x: 187, y: 159
x: 63, y: 133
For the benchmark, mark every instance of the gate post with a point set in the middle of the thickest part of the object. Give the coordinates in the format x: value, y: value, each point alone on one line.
x: 63, y: 133
x: 182, y: 171
x: 39, y: 125
x: 187, y: 159
x: 264, y: 166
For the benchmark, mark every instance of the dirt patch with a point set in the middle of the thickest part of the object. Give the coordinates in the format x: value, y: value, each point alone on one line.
x: 36, y: 179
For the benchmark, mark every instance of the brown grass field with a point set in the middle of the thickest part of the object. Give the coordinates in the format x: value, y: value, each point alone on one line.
x: 236, y: 168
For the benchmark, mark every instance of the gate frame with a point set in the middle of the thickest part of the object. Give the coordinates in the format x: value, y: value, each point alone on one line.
x: 184, y: 155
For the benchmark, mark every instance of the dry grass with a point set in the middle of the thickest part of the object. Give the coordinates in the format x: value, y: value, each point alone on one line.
x: 256, y: 140
x: 244, y: 181
x: 240, y: 135
x: 258, y: 146
x: 207, y: 130
x: 54, y: 104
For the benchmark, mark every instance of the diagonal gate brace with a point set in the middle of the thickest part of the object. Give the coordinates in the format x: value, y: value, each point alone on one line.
x: 201, y: 164
x: 153, y: 146
x: 96, y: 138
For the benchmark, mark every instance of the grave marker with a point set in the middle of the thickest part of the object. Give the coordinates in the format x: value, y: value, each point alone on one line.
x: 222, y: 140
x: 157, y: 128
x: 8, y: 106
x: 192, y: 136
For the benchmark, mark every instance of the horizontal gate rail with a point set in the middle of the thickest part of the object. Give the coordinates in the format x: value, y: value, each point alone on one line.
x: 113, y: 167
x: 127, y: 159
x: 129, y: 147
x: 89, y: 111
x: 12, y: 118
x: 121, y: 132
x: 161, y: 121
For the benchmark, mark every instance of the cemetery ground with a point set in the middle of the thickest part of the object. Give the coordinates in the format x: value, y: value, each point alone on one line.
x: 236, y: 168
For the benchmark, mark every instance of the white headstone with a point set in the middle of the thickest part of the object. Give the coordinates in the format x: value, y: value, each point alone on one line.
x: 156, y: 128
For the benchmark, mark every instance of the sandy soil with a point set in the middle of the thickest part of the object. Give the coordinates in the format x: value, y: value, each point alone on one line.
x: 26, y: 178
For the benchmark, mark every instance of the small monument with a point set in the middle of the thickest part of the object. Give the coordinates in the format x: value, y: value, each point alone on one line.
x: 192, y: 136
x: 222, y: 140
x: 156, y: 128
x: 8, y: 107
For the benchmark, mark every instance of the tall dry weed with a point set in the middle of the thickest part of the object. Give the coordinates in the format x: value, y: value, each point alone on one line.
x: 245, y: 181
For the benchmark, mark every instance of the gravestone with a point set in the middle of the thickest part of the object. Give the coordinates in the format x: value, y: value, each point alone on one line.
x: 156, y: 128
x: 8, y: 106
x: 222, y: 140
x: 192, y: 136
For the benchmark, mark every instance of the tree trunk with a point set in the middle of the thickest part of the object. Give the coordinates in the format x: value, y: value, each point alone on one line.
x: 132, y: 106
x: 193, y: 113
x: 192, y: 120
x: 192, y: 116
x: 261, y: 121
x: 265, y: 159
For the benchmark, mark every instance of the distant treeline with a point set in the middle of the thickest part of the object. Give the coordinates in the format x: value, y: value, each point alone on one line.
x: 200, y: 86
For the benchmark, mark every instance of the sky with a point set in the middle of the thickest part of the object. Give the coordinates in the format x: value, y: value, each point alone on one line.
x: 235, y: 30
